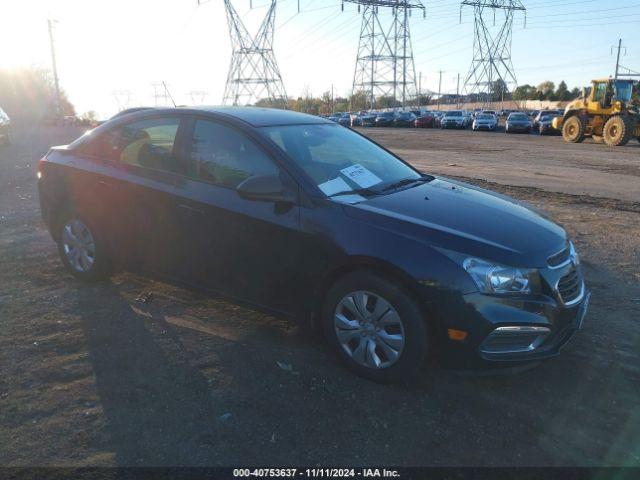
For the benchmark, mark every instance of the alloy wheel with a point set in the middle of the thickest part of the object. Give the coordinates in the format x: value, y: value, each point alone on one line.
x: 369, y: 329
x: 78, y: 245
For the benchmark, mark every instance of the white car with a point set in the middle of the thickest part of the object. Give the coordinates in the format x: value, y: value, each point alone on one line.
x: 453, y: 119
x: 5, y: 128
x: 485, y: 121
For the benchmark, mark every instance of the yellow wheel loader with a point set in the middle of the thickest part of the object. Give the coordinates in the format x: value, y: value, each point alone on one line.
x: 603, y: 112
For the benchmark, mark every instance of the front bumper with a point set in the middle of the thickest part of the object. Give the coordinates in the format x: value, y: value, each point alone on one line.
x: 447, y: 124
x: 506, y: 330
x: 519, y: 128
x: 484, y: 126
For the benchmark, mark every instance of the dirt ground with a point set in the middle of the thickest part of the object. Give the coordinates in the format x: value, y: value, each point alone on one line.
x: 137, y: 372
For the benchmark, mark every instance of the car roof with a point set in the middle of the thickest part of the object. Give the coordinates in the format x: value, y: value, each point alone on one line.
x: 254, y: 116
x: 262, y: 117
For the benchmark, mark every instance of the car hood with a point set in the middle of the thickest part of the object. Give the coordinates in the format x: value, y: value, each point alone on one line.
x: 467, y: 219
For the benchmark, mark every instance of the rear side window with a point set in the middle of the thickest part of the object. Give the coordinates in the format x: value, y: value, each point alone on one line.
x: 147, y: 143
x: 222, y: 155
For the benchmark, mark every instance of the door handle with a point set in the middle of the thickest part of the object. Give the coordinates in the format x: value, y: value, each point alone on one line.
x: 191, y: 209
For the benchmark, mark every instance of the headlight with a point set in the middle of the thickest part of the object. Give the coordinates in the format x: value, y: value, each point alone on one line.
x: 494, y: 278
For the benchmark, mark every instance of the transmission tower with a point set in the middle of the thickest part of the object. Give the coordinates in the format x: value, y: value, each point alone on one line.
x: 384, y: 66
x: 253, y: 73
x: 197, y: 96
x: 493, y: 25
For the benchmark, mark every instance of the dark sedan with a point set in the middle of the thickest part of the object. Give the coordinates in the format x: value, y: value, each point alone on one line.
x: 345, y: 120
x: 404, y: 119
x: 369, y: 120
x: 385, y: 119
x: 518, y: 122
x: 545, y: 126
x: 299, y: 217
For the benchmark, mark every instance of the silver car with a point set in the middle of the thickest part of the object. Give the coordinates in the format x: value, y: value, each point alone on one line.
x: 453, y: 119
x: 485, y: 121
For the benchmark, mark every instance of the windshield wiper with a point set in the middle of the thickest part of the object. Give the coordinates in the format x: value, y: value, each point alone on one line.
x: 366, y: 192
x: 407, y: 181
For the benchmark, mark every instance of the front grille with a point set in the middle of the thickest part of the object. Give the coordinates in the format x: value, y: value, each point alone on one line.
x: 570, y: 286
x: 559, y: 258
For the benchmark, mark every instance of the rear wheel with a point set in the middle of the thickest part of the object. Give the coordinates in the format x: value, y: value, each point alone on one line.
x: 617, y: 131
x: 573, y: 129
x: 375, y: 327
x: 82, y: 249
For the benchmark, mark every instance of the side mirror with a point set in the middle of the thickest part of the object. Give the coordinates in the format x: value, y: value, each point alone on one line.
x: 265, y: 188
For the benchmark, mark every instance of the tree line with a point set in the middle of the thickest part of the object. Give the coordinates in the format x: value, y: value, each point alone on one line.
x: 28, y: 94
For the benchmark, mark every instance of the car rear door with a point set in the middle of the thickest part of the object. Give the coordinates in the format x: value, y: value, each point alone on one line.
x: 142, y: 162
x: 245, y: 249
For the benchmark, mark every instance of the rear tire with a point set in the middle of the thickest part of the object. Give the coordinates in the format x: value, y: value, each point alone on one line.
x: 362, y: 310
x: 82, y: 248
x: 573, y: 129
x: 617, y: 131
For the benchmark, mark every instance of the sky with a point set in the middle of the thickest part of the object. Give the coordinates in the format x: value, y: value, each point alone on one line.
x: 110, y: 52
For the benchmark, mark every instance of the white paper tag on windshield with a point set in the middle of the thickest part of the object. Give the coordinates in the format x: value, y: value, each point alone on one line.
x: 334, y: 186
x: 363, y: 177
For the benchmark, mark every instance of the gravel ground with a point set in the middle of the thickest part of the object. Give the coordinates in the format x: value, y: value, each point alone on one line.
x: 137, y: 372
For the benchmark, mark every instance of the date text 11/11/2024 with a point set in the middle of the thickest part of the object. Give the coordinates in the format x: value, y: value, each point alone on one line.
x: 316, y: 472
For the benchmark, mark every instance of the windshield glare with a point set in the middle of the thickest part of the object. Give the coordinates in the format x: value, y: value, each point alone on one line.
x: 337, y: 159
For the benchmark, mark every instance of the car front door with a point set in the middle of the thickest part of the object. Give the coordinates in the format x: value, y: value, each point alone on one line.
x: 245, y: 249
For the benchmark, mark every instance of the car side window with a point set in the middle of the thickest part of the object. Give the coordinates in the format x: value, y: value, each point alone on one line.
x: 146, y: 143
x: 223, y: 155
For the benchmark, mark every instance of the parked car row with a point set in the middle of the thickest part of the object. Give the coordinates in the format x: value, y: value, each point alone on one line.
x: 478, y: 119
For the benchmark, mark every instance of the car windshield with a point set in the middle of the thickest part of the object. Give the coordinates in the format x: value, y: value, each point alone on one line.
x: 337, y: 159
x: 518, y: 116
x: 386, y: 114
x: 453, y: 114
x: 485, y: 117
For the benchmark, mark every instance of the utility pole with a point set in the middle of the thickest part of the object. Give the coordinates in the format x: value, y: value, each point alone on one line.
x: 55, y: 67
x: 440, y: 72
x: 458, y: 92
x: 618, y: 48
x: 419, y: 88
x: 332, y: 102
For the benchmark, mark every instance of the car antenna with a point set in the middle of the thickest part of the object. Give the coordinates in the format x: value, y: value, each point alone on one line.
x: 168, y: 93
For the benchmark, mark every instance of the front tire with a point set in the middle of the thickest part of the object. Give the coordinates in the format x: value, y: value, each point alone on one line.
x: 82, y: 249
x: 377, y: 330
x: 573, y: 130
